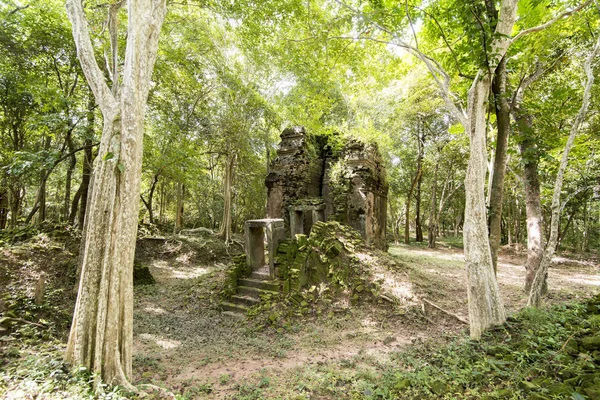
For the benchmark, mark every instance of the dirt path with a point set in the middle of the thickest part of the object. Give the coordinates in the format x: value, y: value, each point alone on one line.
x: 183, y: 343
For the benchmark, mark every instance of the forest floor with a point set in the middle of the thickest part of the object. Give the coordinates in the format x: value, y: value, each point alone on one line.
x: 184, y: 344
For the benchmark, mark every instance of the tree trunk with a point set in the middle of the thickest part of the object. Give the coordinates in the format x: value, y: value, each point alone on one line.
x: 70, y: 169
x: 87, y: 168
x: 537, y: 287
x: 41, y: 200
x: 485, y: 304
x: 418, y: 227
x: 533, y: 205
x: 178, y: 225
x: 433, y: 218
x: 497, y: 188
x: 3, y: 208
x: 225, y: 231
x: 44, y: 175
x: 88, y: 162
x: 585, y: 245
x: 407, y: 215
x: 15, y: 204
x: 101, y: 336
x: 162, y: 206
x: 393, y: 215
x: 563, y: 232
x: 518, y: 215
x: 75, y: 205
x: 148, y: 203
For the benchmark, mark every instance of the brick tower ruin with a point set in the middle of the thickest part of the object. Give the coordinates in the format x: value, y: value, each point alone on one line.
x: 313, y: 180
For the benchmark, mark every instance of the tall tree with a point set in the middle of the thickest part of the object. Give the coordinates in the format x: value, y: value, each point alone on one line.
x: 101, y: 337
x: 541, y: 270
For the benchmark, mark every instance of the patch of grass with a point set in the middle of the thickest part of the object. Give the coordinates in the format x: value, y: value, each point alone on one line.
x: 452, y: 241
x: 224, y: 379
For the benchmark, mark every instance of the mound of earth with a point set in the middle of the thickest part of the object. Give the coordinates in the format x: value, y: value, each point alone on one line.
x: 330, y: 270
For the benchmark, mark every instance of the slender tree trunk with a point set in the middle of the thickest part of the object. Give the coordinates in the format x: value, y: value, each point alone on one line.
x: 225, y: 231
x: 178, y: 225
x: 75, y: 205
x: 148, y: 203
x: 537, y: 287
x: 88, y: 161
x: 563, y: 232
x: 490, y: 169
x: 407, y: 211
x: 418, y: 225
x: 398, y: 223
x: 485, y: 304
x: 518, y: 215
x: 497, y: 188
x: 44, y: 175
x: 41, y: 200
x: 533, y: 205
x: 15, y: 204
x: 3, y: 208
x: 394, y: 226
x: 101, y: 336
x: 586, y: 227
x: 432, y: 235
x: 80, y: 200
x: 70, y: 169
x: 162, y: 206
x: 87, y: 168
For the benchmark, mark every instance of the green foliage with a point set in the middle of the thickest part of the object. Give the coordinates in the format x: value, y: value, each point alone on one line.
x: 537, y: 351
x: 239, y: 269
x: 41, y: 372
x: 32, y: 351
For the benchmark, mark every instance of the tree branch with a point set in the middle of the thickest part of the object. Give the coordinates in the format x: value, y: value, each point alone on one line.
x: 575, y: 193
x: 441, y: 78
x: 16, y: 10
x: 506, y: 18
x: 411, y: 25
x: 86, y: 56
x: 549, y: 23
x: 113, y: 11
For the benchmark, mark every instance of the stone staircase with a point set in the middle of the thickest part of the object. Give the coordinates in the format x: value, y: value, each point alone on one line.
x: 249, y: 291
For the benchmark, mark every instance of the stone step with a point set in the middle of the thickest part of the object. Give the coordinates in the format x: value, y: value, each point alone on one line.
x: 233, y: 314
x: 254, y: 291
x: 260, y: 284
x: 244, y: 300
x: 238, y: 308
x: 260, y: 275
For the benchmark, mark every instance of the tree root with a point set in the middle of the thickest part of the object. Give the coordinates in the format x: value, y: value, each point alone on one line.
x: 162, y: 391
x: 24, y: 321
x: 464, y: 321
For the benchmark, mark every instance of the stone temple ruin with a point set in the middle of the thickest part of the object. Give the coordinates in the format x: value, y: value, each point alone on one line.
x: 313, y: 178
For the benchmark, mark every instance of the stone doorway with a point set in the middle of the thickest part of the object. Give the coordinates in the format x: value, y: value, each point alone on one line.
x: 262, y: 238
x: 303, y: 217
